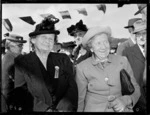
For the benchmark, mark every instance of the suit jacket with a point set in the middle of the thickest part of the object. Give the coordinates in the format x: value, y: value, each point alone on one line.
x: 124, y: 45
x: 137, y: 62
x: 7, y: 74
x: 97, y: 82
x: 47, y: 91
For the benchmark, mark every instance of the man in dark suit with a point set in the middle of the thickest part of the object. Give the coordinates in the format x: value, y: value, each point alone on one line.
x: 142, y: 9
x: 14, y: 46
x: 136, y: 57
x: 131, y: 41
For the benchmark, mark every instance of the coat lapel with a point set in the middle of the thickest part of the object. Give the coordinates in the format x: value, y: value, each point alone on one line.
x: 39, y: 74
x: 130, y: 42
x: 137, y: 53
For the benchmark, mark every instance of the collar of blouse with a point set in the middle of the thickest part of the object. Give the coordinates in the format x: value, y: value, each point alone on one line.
x: 94, y: 62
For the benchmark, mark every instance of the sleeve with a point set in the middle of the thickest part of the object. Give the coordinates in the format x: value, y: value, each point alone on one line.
x: 70, y: 100
x: 6, y: 65
x: 135, y: 96
x: 82, y: 88
x: 120, y: 49
x: 19, y: 77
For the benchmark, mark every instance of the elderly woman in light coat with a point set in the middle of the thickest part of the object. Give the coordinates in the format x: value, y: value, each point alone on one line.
x: 98, y: 77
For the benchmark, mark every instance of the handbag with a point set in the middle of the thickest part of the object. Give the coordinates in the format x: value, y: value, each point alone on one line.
x: 127, y: 87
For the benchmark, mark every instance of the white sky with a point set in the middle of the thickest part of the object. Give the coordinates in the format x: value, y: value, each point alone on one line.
x: 114, y: 17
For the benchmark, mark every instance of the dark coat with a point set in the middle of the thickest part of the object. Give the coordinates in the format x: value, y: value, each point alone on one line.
x: 46, y: 90
x: 124, y: 45
x: 137, y: 62
x: 7, y: 77
x: 77, y: 60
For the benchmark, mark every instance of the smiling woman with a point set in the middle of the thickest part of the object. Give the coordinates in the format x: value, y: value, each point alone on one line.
x: 98, y: 77
x: 36, y: 73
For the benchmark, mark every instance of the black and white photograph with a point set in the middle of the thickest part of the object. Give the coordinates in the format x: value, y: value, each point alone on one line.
x: 74, y: 57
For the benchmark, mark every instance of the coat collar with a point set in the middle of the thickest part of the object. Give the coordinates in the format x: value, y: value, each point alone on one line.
x: 31, y: 64
x: 137, y: 53
x: 94, y: 62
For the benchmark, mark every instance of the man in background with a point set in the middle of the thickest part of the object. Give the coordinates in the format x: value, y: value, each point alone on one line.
x: 136, y: 57
x: 14, y: 46
x: 142, y: 9
x: 131, y: 41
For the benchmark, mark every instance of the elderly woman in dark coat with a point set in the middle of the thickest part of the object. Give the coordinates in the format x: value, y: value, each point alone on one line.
x: 98, y: 77
x: 48, y: 76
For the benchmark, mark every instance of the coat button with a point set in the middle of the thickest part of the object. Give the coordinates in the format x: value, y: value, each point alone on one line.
x: 106, y: 79
x: 137, y: 109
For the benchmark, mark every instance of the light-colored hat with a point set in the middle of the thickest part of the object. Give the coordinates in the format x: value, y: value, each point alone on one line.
x: 94, y: 31
x: 14, y: 38
x: 139, y: 26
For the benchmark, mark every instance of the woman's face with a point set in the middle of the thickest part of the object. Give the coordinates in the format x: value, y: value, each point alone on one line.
x: 44, y: 42
x: 78, y: 37
x: 100, y: 46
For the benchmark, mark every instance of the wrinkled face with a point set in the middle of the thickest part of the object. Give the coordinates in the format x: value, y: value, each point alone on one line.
x: 144, y: 14
x: 100, y: 46
x: 78, y: 37
x: 16, y: 47
x: 141, y: 37
x: 44, y: 42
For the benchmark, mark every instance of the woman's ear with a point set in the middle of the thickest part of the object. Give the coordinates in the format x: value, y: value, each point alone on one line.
x: 33, y: 40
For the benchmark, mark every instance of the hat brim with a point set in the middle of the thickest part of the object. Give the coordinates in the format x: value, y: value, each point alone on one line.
x: 128, y: 27
x: 19, y: 41
x: 139, y: 11
x: 140, y: 29
x: 94, y: 31
x: 44, y: 32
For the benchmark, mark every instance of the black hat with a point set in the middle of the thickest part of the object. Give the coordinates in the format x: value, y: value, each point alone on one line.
x: 76, y: 28
x: 14, y: 38
x: 47, y: 26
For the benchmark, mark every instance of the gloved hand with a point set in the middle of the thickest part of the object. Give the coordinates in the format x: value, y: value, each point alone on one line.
x: 119, y: 104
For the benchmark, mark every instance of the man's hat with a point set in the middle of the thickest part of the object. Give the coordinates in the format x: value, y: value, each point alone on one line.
x: 47, y: 26
x: 139, y: 26
x: 76, y: 28
x: 132, y: 21
x: 14, y: 38
x: 140, y: 7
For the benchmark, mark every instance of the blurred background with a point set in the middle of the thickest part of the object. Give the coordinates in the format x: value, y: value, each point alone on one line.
x: 92, y: 15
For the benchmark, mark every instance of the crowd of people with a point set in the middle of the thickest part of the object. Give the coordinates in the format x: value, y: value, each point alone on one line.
x: 86, y: 80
